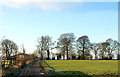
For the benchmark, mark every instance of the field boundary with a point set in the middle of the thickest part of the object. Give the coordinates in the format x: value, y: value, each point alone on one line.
x: 48, y: 66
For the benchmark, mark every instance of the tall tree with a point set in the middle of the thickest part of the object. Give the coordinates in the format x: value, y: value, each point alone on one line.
x: 83, y: 44
x: 8, y: 47
x: 23, y: 49
x: 99, y: 49
x: 44, y: 44
x: 65, y: 41
x: 95, y: 49
x: 113, y: 44
x: 118, y: 51
x: 105, y: 46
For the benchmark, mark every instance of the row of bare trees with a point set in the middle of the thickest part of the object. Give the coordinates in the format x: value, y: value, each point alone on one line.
x: 8, y: 47
x: 67, y: 43
x: 106, y: 47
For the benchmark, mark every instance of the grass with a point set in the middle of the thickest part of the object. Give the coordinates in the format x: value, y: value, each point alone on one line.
x: 90, y: 67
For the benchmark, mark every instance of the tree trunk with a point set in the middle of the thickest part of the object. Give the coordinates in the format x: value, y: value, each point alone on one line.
x: 24, y: 53
x: 48, y: 54
x: 9, y: 57
x: 67, y: 53
x: 16, y: 55
x: 79, y: 57
x: 109, y: 55
x: 63, y: 56
x: 102, y: 55
x: 64, y: 53
x: 95, y: 56
x: 83, y: 50
x: 41, y: 55
x: 83, y: 54
x: 6, y: 54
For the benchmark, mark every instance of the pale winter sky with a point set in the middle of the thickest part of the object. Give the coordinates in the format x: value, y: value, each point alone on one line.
x: 25, y: 21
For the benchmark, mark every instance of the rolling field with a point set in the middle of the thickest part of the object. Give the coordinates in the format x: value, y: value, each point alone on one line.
x: 90, y: 67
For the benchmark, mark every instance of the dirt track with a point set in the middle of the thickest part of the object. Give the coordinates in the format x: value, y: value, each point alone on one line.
x: 33, y: 70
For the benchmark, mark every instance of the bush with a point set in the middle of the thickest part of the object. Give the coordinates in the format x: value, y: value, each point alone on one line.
x: 23, y: 62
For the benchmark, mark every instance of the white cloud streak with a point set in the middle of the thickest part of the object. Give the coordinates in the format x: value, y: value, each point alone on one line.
x: 44, y: 4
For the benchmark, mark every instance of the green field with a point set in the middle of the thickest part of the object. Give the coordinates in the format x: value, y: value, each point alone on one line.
x: 90, y: 67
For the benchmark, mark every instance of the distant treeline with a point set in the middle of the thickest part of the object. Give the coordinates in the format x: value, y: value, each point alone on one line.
x: 69, y: 46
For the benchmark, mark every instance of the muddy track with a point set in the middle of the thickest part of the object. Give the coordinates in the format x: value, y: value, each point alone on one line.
x: 34, y: 69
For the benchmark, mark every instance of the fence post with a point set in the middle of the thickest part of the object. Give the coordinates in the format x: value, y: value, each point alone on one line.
x: 4, y: 63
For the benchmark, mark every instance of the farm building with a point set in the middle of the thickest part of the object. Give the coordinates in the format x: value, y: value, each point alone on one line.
x: 20, y: 56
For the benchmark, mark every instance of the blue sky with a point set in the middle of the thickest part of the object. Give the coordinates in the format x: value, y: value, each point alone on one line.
x: 23, y: 25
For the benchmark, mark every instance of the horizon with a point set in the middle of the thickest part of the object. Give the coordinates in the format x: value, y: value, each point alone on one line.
x: 23, y: 25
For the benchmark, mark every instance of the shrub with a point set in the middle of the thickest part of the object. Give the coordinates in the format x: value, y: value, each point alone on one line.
x: 23, y: 62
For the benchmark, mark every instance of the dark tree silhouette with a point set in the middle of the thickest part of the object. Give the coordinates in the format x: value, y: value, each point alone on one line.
x: 8, y: 47
x: 83, y: 43
x: 65, y: 42
x: 118, y: 56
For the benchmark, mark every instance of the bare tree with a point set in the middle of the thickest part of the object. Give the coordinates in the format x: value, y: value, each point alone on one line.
x: 8, y: 47
x: 83, y: 43
x: 44, y: 44
x: 103, y: 48
x: 95, y: 49
x: 48, y: 42
x: 99, y: 49
x: 65, y: 42
x: 118, y: 51
x: 112, y: 47
x: 23, y: 49
x: 16, y: 50
x: 40, y: 46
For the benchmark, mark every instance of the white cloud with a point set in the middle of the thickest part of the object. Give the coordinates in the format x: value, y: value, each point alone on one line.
x: 44, y: 4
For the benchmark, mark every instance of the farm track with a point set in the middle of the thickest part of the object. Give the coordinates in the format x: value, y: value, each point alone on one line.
x: 33, y: 69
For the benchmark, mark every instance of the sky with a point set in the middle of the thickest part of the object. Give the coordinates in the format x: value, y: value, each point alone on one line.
x: 24, y: 22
